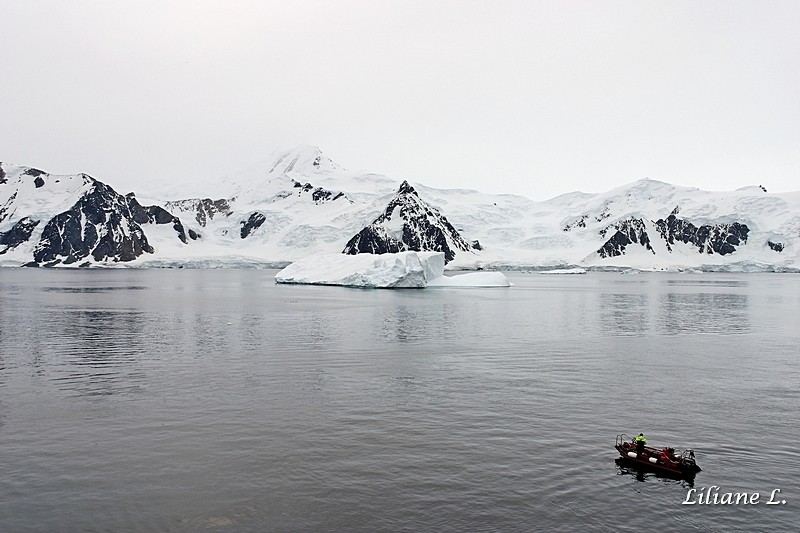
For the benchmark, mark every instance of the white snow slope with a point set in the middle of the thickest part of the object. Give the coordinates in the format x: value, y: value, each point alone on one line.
x: 296, y: 197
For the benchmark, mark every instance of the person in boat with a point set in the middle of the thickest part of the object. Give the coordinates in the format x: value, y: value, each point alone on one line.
x: 639, y: 441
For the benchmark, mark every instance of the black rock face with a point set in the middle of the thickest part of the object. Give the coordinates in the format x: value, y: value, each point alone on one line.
x: 423, y: 229
x: 154, y: 214
x: 373, y: 240
x: 3, y: 178
x: 19, y: 233
x: 100, y: 224
x: 629, y: 231
x: 39, y: 182
x: 321, y: 195
x: 252, y: 224
x: 776, y: 246
x: 4, y: 209
x: 717, y: 238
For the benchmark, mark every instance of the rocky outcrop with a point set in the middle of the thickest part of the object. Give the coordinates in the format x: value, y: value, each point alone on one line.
x: 583, y: 220
x: 100, y: 225
x: 35, y: 172
x: 204, y: 209
x: 580, y: 222
x: 626, y: 232
x: 318, y: 194
x: 408, y: 224
x: 18, y: 234
x: 154, y: 214
x: 709, y: 238
x: 776, y: 246
x: 7, y: 207
x: 251, y: 224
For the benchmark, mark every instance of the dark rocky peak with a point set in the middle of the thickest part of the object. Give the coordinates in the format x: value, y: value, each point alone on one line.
x: 409, y: 223
x: 3, y: 178
x: 625, y: 232
x: 709, y: 238
x: 100, y: 224
x: 406, y: 188
x: 409, y: 202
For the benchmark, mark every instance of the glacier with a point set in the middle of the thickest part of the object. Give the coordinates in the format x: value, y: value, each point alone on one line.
x: 402, y: 270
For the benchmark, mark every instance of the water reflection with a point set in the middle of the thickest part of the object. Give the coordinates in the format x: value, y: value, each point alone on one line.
x: 402, y: 323
x: 641, y: 475
x: 93, y: 352
x: 79, y: 290
x: 707, y: 282
x: 704, y: 312
x: 624, y: 314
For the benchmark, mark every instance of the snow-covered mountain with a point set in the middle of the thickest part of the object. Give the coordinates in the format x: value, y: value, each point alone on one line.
x: 299, y: 202
x: 73, y: 220
x: 409, y: 223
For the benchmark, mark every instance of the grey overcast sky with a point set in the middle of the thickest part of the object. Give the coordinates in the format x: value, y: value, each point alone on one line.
x: 531, y: 97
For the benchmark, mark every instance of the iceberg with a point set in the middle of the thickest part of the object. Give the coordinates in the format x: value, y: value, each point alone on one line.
x: 407, y: 270
x: 576, y: 270
x: 472, y: 279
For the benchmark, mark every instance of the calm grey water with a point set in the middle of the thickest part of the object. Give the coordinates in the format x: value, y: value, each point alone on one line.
x: 174, y: 400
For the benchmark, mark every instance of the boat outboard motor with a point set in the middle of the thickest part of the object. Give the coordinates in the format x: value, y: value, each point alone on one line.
x: 689, y: 464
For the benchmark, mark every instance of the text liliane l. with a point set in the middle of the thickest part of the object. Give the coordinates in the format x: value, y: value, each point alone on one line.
x: 712, y: 496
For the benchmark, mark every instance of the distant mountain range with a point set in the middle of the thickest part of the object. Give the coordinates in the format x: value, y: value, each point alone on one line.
x: 301, y: 203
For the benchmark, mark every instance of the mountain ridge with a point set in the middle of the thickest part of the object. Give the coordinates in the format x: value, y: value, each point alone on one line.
x: 300, y: 203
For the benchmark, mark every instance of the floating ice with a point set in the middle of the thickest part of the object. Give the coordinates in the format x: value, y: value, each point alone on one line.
x: 576, y: 270
x: 471, y: 279
x: 398, y: 270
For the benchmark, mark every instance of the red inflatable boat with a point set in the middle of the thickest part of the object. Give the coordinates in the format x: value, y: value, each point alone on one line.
x: 665, y: 461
